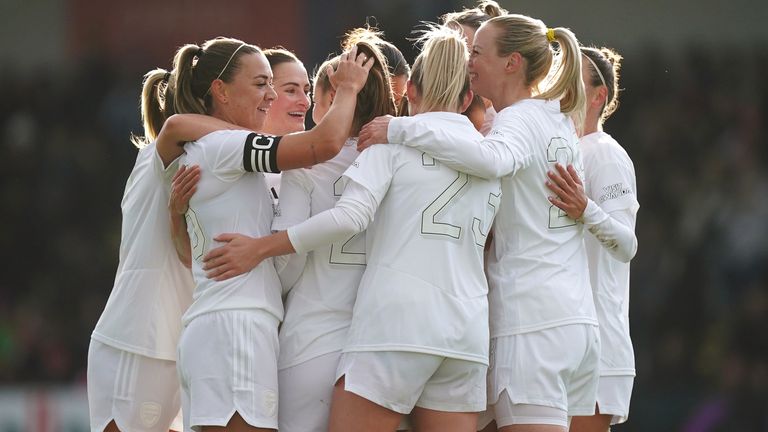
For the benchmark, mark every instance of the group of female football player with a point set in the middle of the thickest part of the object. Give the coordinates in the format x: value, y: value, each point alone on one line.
x: 446, y: 250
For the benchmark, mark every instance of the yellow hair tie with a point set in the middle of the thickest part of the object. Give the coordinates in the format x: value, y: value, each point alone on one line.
x: 550, y: 35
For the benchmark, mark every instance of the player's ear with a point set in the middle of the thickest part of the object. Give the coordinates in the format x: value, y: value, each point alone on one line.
x: 219, y: 91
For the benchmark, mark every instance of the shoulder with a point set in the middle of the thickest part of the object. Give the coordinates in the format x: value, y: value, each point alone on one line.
x: 603, y: 148
x: 442, y: 120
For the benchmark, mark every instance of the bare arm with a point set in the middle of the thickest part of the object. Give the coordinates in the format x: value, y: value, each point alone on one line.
x: 325, y: 140
x: 181, y: 128
x: 183, y: 186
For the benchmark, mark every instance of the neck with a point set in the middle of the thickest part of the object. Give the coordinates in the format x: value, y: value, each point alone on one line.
x: 592, y: 123
x: 509, y: 93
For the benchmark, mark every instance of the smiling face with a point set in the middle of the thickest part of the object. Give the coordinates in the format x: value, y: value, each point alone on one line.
x: 289, y: 110
x: 486, y: 67
x: 246, y: 100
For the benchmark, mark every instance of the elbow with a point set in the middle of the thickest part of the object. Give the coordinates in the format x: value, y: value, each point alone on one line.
x: 328, y: 148
x: 172, y: 125
x: 626, y: 254
x: 632, y: 250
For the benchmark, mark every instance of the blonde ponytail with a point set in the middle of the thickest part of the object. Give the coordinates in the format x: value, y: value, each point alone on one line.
x: 188, y: 99
x: 567, y: 84
x: 440, y: 72
x: 532, y: 39
x: 153, y: 105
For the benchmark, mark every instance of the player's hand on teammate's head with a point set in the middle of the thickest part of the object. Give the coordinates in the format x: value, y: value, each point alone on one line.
x: 352, y: 71
x: 374, y: 132
x: 183, y: 186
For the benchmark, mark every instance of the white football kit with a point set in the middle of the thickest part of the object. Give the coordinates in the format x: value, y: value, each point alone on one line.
x: 610, y: 183
x: 423, y: 290
x: 318, y: 307
x: 141, y: 321
x: 231, y: 326
x: 537, y: 266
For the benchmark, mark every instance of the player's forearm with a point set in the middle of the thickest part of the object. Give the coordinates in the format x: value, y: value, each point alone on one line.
x: 180, y: 238
x: 334, y: 129
x: 613, y: 230
x: 457, y: 151
x: 272, y: 245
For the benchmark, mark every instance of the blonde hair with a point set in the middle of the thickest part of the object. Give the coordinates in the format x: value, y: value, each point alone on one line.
x: 528, y: 36
x: 475, y: 16
x: 608, y: 63
x: 155, y: 108
x: 440, y: 71
x: 376, y: 98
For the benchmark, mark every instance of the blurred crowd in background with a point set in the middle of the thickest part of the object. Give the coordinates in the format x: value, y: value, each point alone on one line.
x: 695, y: 123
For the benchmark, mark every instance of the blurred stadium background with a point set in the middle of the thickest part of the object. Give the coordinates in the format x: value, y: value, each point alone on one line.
x: 692, y: 117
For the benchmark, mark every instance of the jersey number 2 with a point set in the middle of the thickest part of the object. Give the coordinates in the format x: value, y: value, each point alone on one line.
x: 429, y: 224
x: 196, y: 237
x: 340, y: 253
x: 559, y: 151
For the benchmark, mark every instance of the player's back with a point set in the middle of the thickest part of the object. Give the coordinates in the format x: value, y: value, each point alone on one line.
x: 318, y: 308
x: 425, y: 257
x: 537, y: 263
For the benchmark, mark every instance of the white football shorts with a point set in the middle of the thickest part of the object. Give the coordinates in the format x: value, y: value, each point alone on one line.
x: 139, y: 393
x: 613, y: 395
x: 227, y: 364
x: 555, y: 367
x: 400, y: 380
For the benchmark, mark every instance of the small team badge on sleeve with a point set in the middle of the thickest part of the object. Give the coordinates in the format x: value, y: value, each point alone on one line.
x: 260, y: 153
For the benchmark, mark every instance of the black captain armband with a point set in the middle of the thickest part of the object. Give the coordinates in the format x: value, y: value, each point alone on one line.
x: 260, y: 153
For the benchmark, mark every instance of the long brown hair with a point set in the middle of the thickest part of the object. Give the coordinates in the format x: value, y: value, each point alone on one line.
x: 376, y: 98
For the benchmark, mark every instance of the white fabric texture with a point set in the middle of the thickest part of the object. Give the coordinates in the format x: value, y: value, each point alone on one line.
x: 611, y: 184
x: 227, y: 364
x: 228, y: 200
x: 152, y: 288
x: 424, y: 251
x: 321, y: 295
x: 537, y: 265
x: 139, y: 393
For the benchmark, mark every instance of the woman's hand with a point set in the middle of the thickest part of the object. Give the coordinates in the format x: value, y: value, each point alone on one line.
x: 239, y: 255
x: 569, y: 190
x: 183, y: 186
x: 352, y: 72
x: 374, y: 132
